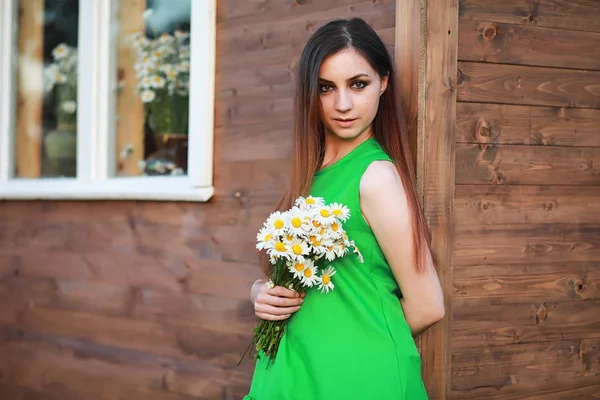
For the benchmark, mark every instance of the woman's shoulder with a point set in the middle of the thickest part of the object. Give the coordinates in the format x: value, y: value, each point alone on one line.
x: 380, y: 176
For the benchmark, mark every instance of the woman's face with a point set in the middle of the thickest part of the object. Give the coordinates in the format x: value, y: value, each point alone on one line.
x: 349, y: 90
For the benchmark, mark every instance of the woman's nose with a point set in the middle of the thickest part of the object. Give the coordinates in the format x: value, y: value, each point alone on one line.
x: 343, y: 101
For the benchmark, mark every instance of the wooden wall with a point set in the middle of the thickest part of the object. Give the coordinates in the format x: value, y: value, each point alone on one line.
x: 142, y: 300
x: 526, y: 296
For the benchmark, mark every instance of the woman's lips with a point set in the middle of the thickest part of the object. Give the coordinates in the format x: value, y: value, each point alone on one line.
x: 345, y: 123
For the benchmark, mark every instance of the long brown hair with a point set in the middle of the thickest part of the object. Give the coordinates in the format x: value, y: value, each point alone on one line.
x: 389, y: 125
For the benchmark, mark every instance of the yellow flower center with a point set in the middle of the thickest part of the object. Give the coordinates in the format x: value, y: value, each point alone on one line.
x: 316, y: 224
x: 268, y: 237
x: 278, y: 224
x: 310, y: 201
x: 280, y: 247
x: 289, y: 237
x: 330, y: 248
x: 335, y: 227
x: 314, y: 241
x: 324, y: 213
x: 299, y: 267
x: 326, y: 279
x: 296, y: 222
x: 307, y: 273
x: 297, y: 249
x: 337, y: 212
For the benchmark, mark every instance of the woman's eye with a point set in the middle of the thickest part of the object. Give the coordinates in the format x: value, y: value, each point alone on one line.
x: 359, y: 85
x: 326, y: 88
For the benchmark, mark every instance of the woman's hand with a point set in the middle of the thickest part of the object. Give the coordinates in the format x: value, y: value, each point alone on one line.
x: 276, y: 303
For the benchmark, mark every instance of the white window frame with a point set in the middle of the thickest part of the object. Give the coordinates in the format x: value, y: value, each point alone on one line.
x: 95, y: 119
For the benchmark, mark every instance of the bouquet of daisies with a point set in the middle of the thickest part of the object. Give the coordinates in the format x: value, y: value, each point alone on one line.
x: 301, y: 244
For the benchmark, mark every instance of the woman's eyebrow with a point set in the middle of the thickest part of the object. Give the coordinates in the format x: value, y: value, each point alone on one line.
x: 349, y: 79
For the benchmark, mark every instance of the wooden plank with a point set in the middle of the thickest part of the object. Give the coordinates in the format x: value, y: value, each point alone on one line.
x: 234, y: 14
x: 545, y: 126
x: 256, y: 178
x: 526, y: 370
x: 63, y: 373
x: 583, y: 15
x: 30, y: 89
x: 130, y: 109
x: 534, y: 322
x: 520, y: 244
x: 504, y: 204
x: 527, y: 165
x: 496, y: 42
x: 515, y: 84
x: 407, y: 46
x: 480, y: 285
x: 435, y: 170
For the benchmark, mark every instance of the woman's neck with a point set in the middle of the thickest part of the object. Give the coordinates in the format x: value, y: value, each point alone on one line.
x: 336, y: 148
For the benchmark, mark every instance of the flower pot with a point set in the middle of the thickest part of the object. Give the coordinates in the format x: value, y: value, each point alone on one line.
x: 61, y: 150
x: 171, y: 154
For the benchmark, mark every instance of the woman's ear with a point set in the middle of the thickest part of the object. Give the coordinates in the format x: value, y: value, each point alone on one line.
x: 384, y: 83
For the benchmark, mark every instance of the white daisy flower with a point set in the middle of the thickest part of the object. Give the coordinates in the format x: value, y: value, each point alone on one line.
x: 299, y: 222
x: 356, y: 251
x: 68, y: 106
x: 158, y: 82
x: 297, y: 268
x: 324, y: 216
x: 309, y: 275
x: 148, y: 96
x: 181, y: 35
x: 340, y: 211
x: 278, y: 222
x: 60, y: 78
x: 184, y: 66
x: 61, y: 51
x: 146, y: 82
x: 265, y: 238
x: 299, y: 249
x: 324, y: 281
x: 280, y: 249
x: 330, y: 252
x: 340, y: 249
x: 309, y: 202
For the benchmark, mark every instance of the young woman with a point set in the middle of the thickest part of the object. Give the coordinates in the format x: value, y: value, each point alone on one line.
x: 351, y: 147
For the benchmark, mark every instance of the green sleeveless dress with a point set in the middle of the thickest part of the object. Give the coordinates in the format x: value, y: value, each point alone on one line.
x: 354, y: 342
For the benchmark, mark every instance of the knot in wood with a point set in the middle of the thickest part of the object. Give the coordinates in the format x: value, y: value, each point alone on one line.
x: 489, y: 32
x: 541, y: 314
x: 579, y: 287
x: 549, y: 206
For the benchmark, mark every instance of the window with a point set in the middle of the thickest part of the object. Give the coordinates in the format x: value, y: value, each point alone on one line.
x: 97, y: 96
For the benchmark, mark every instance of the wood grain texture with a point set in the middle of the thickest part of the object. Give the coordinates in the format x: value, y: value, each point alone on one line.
x: 481, y: 205
x: 525, y: 85
x: 487, y: 285
x: 527, y: 165
x: 517, y: 244
x: 436, y: 127
x: 556, y: 370
x: 129, y: 108
x: 495, y: 42
x: 583, y: 15
x: 30, y: 89
x: 529, y: 125
x: 534, y: 322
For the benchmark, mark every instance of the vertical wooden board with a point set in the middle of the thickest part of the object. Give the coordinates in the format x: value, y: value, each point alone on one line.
x: 437, y: 131
x: 544, y: 126
x: 495, y: 42
x: 583, y: 15
x: 518, y: 84
x: 130, y: 109
x: 29, y: 89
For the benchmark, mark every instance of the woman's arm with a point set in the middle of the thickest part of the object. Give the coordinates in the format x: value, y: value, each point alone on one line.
x: 384, y: 206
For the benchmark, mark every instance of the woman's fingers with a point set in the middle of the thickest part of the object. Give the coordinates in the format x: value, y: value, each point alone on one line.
x: 263, y: 298
x: 282, y: 292
x: 270, y: 317
x: 268, y: 309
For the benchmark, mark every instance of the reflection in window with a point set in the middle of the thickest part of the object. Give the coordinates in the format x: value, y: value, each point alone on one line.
x: 46, y: 129
x: 153, y: 99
